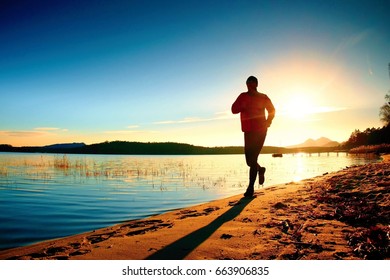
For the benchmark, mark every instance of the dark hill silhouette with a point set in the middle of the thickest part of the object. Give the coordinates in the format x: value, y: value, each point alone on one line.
x: 135, y: 148
x: 65, y: 146
x: 126, y: 148
x: 321, y: 142
x: 140, y: 148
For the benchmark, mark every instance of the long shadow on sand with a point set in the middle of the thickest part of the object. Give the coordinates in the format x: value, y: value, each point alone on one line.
x: 181, y: 248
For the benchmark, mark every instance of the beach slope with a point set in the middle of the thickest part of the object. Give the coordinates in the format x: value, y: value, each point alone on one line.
x: 340, y: 215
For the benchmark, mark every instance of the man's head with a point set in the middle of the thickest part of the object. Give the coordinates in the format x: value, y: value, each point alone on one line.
x: 252, y: 82
x: 251, y: 79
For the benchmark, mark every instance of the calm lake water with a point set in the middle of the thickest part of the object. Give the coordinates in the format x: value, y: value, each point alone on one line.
x: 46, y: 196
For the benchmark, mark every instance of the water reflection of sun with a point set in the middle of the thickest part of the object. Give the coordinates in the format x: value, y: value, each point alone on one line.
x: 298, y: 168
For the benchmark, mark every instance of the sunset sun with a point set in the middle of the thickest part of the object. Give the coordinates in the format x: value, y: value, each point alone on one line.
x: 299, y: 106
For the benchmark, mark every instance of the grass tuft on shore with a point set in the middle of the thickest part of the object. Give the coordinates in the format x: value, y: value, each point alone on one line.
x: 371, y: 149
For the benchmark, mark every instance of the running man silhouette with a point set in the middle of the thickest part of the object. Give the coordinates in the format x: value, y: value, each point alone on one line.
x: 254, y: 123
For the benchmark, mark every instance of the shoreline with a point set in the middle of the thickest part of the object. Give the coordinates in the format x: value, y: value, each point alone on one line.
x: 326, y: 217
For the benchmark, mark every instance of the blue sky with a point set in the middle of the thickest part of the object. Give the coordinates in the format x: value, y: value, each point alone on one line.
x: 152, y: 71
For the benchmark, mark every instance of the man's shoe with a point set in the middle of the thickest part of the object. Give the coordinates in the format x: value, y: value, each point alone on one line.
x: 249, y: 192
x: 261, y: 175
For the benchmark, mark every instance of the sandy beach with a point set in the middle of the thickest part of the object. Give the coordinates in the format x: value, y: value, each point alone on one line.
x: 340, y: 215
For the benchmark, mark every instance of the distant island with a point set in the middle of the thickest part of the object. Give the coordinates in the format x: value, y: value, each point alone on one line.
x: 165, y: 148
x: 320, y: 142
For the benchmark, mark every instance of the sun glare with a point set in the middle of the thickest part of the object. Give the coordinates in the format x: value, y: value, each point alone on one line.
x: 299, y: 106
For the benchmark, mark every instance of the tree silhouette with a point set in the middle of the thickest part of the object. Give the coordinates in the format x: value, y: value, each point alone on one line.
x: 384, y: 112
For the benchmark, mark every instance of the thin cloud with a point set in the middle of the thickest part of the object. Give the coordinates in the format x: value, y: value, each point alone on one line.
x: 185, y: 120
x: 218, y: 116
x: 312, y: 111
x: 328, y: 109
x: 22, y: 133
x: 36, y: 132
x: 131, y: 129
x: 47, y: 128
x: 224, y: 115
x: 119, y: 131
x: 127, y: 132
x: 370, y: 72
x: 352, y: 41
x: 51, y: 129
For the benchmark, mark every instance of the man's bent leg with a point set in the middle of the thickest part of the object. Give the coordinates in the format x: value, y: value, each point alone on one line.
x: 251, y: 155
x: 260, y: 143
x: 253, y: 144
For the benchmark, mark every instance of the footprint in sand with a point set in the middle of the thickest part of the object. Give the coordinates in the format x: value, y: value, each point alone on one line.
x: 50, y: 253
x: 79, y: 252
x: 75, y: 245
x: 194, y: 213
x: 280, y: 205
x: 246, y: 220
x: 55, y: 250
x: 226, y: 236
x: 188, y: 213
x: 137, y: 224
x: 210, y: 209
x: 142, y: 227
x: 93, y: 239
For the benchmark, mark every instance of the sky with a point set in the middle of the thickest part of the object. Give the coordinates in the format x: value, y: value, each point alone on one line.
x: 169, y: 71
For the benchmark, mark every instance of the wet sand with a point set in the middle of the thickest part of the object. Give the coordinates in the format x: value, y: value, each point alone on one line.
x: 340, y: 215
